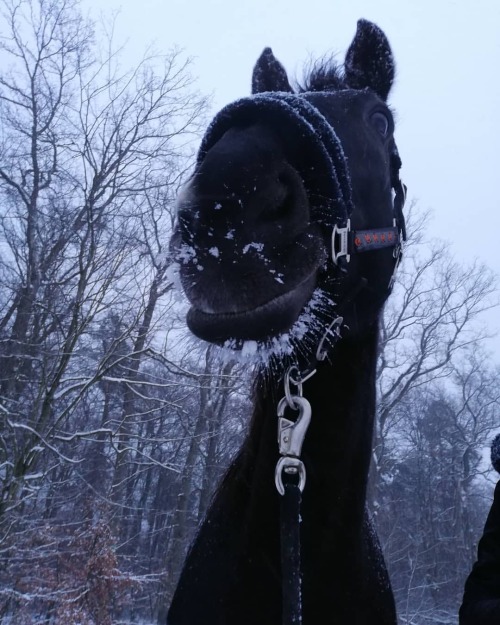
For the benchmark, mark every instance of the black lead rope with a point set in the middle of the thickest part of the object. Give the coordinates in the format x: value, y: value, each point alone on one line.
x: 290, y: 475
x: 290, y: 478
x: 290, y: 554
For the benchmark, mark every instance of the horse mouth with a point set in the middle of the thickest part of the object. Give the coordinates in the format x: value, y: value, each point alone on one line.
x: 266, y: 321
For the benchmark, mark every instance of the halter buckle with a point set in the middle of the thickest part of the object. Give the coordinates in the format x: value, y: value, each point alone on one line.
x: 398, y: 255
x: 340, y: 242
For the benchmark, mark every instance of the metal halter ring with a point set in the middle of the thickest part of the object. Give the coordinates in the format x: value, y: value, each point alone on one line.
x: 291, y: 466
x: 290, y: 399
x: 334, y: 330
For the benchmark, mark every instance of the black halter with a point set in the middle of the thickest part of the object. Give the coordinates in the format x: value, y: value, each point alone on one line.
x: 328, y: 179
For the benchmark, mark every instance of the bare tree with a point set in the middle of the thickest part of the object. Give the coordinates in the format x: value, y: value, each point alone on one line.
x: 91, y: 157
x: 438, y: 408
x: 88, y: 155
x: 430, y: 323
x: 432, y: 506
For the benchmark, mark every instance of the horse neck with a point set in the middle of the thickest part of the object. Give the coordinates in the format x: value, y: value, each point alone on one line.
x: 337, y: 446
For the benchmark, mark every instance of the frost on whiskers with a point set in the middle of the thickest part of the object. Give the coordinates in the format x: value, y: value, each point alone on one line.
x: 185, y: 253
x: 172, y: 274
x: 303, y: 337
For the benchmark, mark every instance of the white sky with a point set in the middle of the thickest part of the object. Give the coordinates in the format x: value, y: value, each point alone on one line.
x: 447, y: 95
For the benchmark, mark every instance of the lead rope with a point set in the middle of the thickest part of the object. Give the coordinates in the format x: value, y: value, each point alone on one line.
x: 290, y: 472
x: 290, y: 476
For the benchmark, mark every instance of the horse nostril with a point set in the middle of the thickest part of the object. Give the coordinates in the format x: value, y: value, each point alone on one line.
x: 286, y: 180
x: 287, y: 198
x: 278, y: 199
x: 283, y: 198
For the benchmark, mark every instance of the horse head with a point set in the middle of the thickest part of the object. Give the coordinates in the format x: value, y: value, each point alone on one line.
x: 287, y: 188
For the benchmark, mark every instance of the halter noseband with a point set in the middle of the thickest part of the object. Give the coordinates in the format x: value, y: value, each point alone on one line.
x: 330, y: 178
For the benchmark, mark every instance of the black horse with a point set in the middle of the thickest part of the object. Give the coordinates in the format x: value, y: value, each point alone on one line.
x: 288, y: 188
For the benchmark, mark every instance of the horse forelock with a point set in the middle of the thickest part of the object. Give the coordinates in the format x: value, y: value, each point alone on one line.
x: 324, y: 74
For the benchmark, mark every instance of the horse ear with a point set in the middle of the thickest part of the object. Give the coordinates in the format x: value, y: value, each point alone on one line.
x: 369, y: 61
x: 269, y: 74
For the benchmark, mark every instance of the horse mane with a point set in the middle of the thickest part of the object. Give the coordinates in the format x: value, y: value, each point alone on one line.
x: 324, y: 74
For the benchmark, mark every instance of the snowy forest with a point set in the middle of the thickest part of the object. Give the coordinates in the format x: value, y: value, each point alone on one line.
x: 115, y: 424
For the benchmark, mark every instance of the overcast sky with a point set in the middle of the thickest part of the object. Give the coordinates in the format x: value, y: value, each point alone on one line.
x: 447, y: 94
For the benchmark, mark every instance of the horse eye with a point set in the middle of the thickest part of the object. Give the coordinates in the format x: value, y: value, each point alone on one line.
x: 381, y: 123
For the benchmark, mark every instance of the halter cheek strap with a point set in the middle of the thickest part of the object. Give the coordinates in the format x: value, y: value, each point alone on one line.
x: 346, y: 241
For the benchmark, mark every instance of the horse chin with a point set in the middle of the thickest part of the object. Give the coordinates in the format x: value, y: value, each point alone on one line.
x: 258, y: 328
